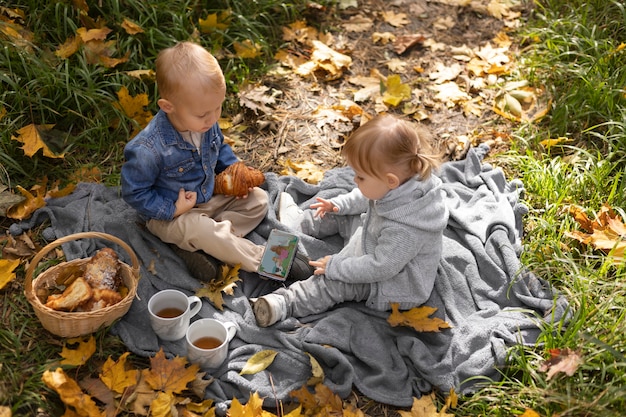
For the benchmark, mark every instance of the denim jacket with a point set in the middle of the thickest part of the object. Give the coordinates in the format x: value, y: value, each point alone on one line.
x: 159, y: 163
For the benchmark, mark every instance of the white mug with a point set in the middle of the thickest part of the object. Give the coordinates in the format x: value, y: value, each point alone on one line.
x: 170, y: 313
x: 207, y: 342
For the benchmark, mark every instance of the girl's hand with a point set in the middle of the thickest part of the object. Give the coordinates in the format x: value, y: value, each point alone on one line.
x: 320, y: 265
x: 323, y: 206
x: 185, y: 202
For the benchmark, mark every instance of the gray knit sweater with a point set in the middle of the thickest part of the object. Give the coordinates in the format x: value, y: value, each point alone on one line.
x: 398, y: 249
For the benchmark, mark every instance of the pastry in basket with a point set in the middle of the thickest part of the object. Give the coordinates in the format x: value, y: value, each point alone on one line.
x: 101, y: 298
x: 77, y: 293
x: 102, y: 270
x: 237, y: 179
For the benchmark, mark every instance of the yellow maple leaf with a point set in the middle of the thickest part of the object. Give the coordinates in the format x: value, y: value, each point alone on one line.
x: 69, y: 47
x: 299, y: 31
x: 215, y: 22
x: 247, y: 49
x: 170, y: 375
x: 134, y: 108
x: 307, y: 171
x: 70, y: 393
x: 93, y: 34
x: 24, y: 209
x: 424, y: 407
x: 7, y: 271
x: 80, y: 355
x: 417, y: 318
x: 396, y: 91
x: 226, y: 283
x: 98, y: 52
x: 253, y: 408
x: 30, y: 136
x: 162, y: 405
x: 131, y: 27
x: 604, y: 233
x: 116, y: 377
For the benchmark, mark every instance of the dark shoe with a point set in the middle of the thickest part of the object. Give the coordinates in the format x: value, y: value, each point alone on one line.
x: 300, y: 268
x: 201, y: 266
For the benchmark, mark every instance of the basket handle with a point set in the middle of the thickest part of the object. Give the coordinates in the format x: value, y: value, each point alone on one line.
x: 28, y: 280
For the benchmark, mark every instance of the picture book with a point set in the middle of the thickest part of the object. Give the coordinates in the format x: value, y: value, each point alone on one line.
x: 278, y: 255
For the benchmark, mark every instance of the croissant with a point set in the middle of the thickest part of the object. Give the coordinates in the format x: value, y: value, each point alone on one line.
x: 102, y: 270
x: 237, y: 179
x: 76, y: 294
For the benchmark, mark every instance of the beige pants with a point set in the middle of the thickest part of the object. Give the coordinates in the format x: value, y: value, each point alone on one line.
x: 218, y: 227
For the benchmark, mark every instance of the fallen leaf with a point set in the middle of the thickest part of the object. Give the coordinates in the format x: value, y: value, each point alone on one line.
x: 395, y: 19
x: 258, y: 362
x: 445, y: 72
x: 561, y: 360
x: 215, y: 22
x: 226, y: 284
x: 69, y: 47
x: 417, y: 318
x: 424, y: 407
x: 30, y: 136
x: 529, y: 413
x: 256, y: 98
x: 358, y: 23
x: 25, y: 208
x: 163, y: 405
x: 253, y: 408
x: 325, y: 59
x: 131, y: 27
x: 317, y: 372
x: 606, y: 232
x: 449, y: 93
x: 7, y: 271
x: 115, y: 375
x: 170, y: 375
x: 384, y: 38
x: 307, y: 171
x: 396, y: 91
x: 82, y: 353
x: 70, y: 392
x: 405, y: 42
x: 247, y: 49
x: 134, y: 108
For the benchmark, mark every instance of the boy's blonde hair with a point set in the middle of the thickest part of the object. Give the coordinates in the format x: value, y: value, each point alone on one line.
x: 185, y: 67
x: 388, y: 144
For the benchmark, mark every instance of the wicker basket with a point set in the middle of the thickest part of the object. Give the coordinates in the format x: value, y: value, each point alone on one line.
x: 73, y: 324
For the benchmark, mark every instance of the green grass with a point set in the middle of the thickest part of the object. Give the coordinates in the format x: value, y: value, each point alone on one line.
x: 78, y: 97
x: 575, y: 50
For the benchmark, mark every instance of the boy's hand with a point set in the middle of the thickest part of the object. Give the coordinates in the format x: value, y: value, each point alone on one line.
x: 245, y: 195
x: 323, y: 207
x: 320, y: 265
x: 185, y: 202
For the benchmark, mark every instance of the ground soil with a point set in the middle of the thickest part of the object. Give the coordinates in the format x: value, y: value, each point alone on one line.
x: 293, y: 132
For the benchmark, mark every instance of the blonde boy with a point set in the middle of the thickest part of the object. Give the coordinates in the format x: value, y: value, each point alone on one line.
x: 170, y: 168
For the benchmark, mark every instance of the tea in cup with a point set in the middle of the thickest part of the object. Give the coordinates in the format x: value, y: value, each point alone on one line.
x: 207, y: 342
x: 170, y: 313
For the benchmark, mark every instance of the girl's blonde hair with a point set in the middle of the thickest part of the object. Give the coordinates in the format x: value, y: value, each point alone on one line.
x: 389, y: 144
x: 186, y: 67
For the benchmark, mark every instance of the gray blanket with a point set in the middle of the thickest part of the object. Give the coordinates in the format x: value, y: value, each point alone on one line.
x: 482, y: 291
